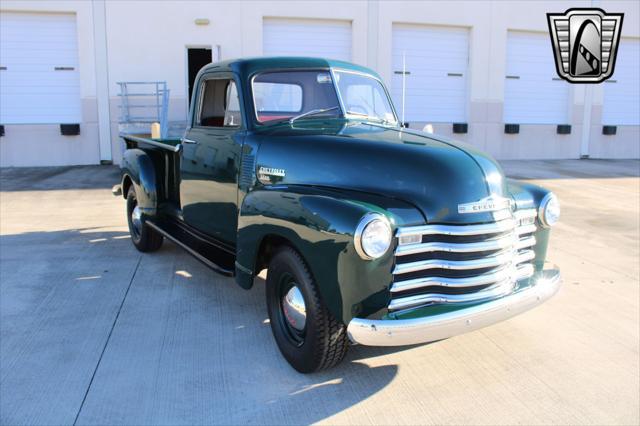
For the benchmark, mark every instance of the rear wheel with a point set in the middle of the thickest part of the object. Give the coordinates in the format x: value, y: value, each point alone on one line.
x: 144, y: 238
x: 308, y: 335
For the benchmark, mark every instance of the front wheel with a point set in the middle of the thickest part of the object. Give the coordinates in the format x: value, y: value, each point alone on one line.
x: 144, y: 237
x: 308, y: 335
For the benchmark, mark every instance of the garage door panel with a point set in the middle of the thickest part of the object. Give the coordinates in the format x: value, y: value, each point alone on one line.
x: 35, y: 100
x: 59, y: 89
x: 33, y: 91
x: 448, y: 48
x: 431, y: 54
x: 38, y: 56
x: 38, y: 53
x: 316, y: 38
x: 621, y: 104
x: 536, y: 96
x: 42, y: 116
x: 64, y: 112
x: 42, y: 112
x: 59, y: 41
x: 60, y: 47
x: 38, y: 76
x: 15, y: 83
x: 421, y: 92
x: 440, y: 66
x: 315, y: 30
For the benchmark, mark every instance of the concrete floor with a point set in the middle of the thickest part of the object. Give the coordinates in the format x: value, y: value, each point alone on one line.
x: 93, y: 332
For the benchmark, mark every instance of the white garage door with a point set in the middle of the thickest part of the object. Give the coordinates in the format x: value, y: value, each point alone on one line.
x: 533, y: 92
x: 437, y: 60
x: 39, y: 78
x: 307, y: 37
x: 622, y: 90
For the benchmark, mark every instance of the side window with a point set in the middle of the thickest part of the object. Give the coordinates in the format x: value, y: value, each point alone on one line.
x: 220, y: 106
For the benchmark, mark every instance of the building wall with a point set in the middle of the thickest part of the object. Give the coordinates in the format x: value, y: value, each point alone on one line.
x: 148, y: 41
x: 489, y: 23
x: 137, y: 51
x: 42, y: 144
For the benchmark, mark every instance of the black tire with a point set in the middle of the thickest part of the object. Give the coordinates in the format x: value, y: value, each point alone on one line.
x: 323, y: 342
x: 144, y: 238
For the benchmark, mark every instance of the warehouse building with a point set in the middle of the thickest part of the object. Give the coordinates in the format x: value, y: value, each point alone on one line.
x: 481, y: 72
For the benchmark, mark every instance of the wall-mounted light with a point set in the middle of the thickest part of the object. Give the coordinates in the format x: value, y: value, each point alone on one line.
x: 201, y: 21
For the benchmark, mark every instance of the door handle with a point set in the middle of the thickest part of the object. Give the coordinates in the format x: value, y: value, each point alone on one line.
x: 189, y: 141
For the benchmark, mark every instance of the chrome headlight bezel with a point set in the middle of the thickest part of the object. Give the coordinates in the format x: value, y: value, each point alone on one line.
x: 363, y: 225
x: 549, y: 200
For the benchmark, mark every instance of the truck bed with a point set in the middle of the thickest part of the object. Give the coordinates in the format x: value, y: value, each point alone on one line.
x: 165, y: 155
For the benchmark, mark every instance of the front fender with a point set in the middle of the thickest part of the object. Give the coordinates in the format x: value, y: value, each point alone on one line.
x: 138, y: 166
x: 320, y: 224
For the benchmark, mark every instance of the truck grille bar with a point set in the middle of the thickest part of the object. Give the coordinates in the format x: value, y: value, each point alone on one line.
x: 442, y: 264
x: 489, y: 228
x: 485, y: 262
x: 497, y: 244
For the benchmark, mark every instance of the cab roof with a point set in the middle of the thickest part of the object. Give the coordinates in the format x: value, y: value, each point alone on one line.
x: 246, y: 67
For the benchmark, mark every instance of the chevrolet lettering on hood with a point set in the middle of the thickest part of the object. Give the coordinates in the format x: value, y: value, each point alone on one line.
x: 268, y: 175
x: 489, y: 204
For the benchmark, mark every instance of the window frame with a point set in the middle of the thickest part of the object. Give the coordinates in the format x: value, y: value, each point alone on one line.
x: 255, y: 119
x: 384, y: 88
x: 197, y: 113
x: 331, y: 70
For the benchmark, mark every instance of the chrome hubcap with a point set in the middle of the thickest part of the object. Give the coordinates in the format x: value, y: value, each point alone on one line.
x: 294, y: 308
x: 136, y: 219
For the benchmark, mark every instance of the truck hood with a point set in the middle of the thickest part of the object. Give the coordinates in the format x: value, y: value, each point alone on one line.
x: 432, y: 173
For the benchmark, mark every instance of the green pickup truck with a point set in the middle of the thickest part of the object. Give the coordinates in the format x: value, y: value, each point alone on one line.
x: 371, y: 233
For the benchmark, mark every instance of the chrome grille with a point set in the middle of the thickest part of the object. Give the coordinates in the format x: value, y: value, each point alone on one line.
x: 438, y: 264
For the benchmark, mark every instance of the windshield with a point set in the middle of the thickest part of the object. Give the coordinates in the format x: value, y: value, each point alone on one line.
x: 291, y: 95
x: 364, y: 96
x: 283, y: 95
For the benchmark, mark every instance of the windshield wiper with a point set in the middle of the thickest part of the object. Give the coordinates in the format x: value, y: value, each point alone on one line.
x: 373, y: 118
x: 312, y: 112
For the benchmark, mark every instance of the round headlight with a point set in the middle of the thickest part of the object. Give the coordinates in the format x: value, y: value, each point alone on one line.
x: 373, y: 236
x: 549, y: 211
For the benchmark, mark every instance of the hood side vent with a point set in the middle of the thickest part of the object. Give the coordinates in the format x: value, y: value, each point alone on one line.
x: 247, y: 172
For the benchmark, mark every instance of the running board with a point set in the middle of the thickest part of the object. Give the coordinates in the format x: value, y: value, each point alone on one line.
x: 206, y: 252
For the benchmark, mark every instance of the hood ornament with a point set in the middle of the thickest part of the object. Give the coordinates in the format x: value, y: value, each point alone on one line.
x: 491, y: 203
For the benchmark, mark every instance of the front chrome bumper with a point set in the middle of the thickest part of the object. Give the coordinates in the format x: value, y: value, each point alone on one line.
x: 437, y: 327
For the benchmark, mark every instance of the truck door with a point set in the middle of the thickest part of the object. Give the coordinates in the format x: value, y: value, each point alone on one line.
x: 210, y: 159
